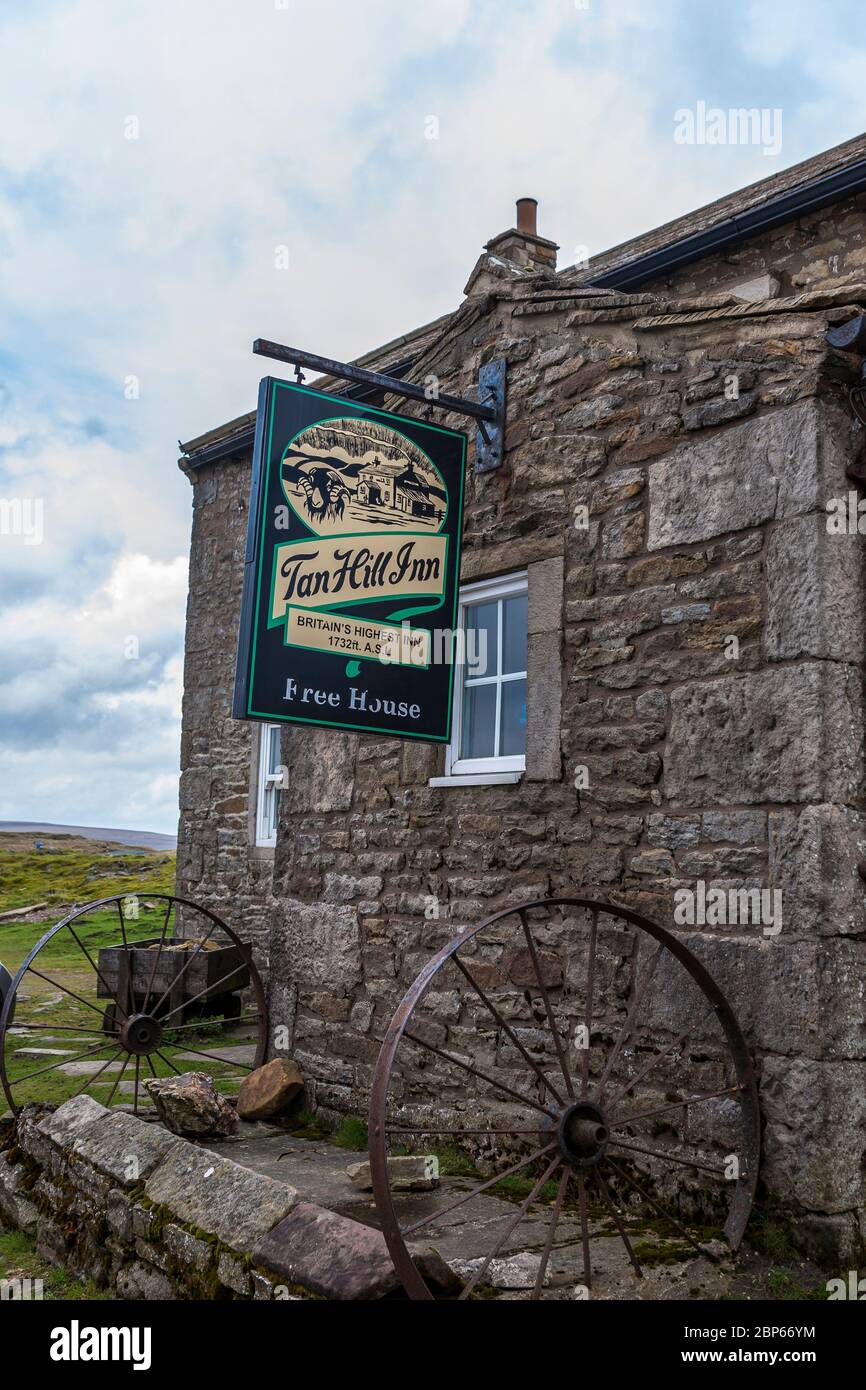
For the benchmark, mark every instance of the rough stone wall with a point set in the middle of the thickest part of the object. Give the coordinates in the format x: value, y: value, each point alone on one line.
x: 218, y: 863
x: 822, y: 250
x: 706, y: 523
x: 146, y: 1215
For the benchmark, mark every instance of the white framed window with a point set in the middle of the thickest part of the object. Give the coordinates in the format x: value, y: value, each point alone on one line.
x: 488, y: 735
x: 270, y: 780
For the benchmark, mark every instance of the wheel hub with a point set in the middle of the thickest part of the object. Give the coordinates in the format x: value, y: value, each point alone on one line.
x: 582, y: 1134
x: 140, y: 1034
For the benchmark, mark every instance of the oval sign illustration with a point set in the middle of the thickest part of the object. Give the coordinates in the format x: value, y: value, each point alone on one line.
x: 349, y: 476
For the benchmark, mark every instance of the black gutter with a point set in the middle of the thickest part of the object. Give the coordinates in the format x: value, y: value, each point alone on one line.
x: 243, y: 441
x: 829, y: 188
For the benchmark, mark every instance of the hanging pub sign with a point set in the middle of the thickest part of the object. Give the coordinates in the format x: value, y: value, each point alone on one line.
x: 353, y: 552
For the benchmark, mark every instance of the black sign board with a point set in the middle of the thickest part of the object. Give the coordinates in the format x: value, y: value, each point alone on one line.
x: 353, y: 554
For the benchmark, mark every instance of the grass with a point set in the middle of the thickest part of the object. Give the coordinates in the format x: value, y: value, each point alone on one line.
x: 352, y: 1133
x: 19, y: 1260
x: 71, y: 873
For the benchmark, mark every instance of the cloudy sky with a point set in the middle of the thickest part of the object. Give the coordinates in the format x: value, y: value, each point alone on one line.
x: 154, y: 154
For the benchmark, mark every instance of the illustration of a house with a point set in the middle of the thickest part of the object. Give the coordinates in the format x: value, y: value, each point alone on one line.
x: 396, y: 485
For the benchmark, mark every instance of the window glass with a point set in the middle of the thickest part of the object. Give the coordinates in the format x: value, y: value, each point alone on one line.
x: 479, y: 721
x: 514, y: 617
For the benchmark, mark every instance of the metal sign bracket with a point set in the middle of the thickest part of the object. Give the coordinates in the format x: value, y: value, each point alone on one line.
x: 488, y: 410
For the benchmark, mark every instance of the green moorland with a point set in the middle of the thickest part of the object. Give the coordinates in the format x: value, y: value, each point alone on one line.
x: 59, y: 1042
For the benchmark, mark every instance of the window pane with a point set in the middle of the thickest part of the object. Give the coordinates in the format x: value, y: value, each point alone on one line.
x: 271, y: 812
x: 481, y: 630
x: 273, y: 754
x: 514, y: 624
x: 479, y: 721
x: 513, y: 741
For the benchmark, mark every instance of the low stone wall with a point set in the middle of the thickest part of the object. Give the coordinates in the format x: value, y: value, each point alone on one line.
x: 150, y: 1216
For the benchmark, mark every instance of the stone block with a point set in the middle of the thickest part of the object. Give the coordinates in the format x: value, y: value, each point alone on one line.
x: 813, y: 860
x: 406, y: 1173
x: 322, y: 943
x: 338, y: 1258
x: 65, y: 1124
x: 205, y: 1190
x: 815, y: 1126
x: 322, y: 763
x: 232, y: 1274
x: 142, y: 1282
x: 544, y: 595
x: 123, y: 1147
x: 787, y: 734
x: 543, y: 707
x: 774, y: 987
x: 186, y: 1249
x: 814, y: 592
x: 770, y: 468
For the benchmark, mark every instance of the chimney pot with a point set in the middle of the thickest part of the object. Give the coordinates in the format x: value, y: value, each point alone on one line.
x: 527, y: 209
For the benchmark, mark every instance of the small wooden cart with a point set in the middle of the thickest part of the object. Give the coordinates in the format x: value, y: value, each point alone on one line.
x: 211, y: 983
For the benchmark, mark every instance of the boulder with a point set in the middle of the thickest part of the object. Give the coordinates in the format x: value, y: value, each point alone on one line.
x: 270, y: 1089
x: 406, y: 1173
x: 190, y: 1104
x: 336, y: 1257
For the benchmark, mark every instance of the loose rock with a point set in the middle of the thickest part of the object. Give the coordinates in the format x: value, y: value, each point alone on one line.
x: 190, y: 1104
x: 270, y: 1089
x: 406, y: 1173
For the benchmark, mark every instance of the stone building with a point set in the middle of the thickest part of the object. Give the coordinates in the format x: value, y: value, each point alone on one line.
x: 691, y: 705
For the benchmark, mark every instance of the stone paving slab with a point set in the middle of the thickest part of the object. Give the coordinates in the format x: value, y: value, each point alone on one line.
x: 465, y: 1236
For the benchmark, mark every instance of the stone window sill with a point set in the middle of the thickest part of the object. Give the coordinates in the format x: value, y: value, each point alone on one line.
x: 477, y: 779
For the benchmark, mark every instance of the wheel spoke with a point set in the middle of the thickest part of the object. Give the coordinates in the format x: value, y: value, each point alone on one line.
x: 606, y: 1197
x: 430, y: 1129
x: 129, y: 989
x: 557, y: 1041
x: 162, y: 1057
x: 226, y: 1062
x: 135, y: 1092
x: 109, y: 994
x: 155, y: 966
x: 90, y: 1079
x: 662, y: 1211
x: 473, y: 1071
x: 584, y: 1230
x: 192, y: 955
x: 551, y: 1232
x: 207, y: 990
x: 118, y: 1079
x: 590, y: 988
x: 512, y: 1226
x: 476, y: 1191
x: 630, y: 1019
x: 100, y: 1047
x: 56, y: 1028
x: 620, y: 1121
x: 669, y: 1158
x: 659, y: 1056
x: 63, y: 989
x: 508, y: 1030
x: 213, y: 1024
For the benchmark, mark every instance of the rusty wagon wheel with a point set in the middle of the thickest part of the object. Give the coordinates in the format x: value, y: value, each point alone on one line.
x: 149, y: 982
x: 590, y: 1059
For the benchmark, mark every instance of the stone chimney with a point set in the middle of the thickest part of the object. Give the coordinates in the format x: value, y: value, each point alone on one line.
x: 522, y: 245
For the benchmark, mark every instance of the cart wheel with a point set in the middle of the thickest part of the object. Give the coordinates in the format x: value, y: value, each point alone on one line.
x: 586, y: 1049
x: 70, y: 1041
